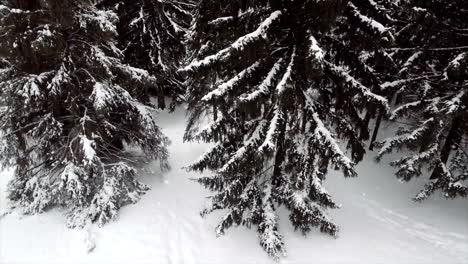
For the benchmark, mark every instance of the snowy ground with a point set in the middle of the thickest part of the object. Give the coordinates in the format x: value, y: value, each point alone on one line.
x: 379, y: 224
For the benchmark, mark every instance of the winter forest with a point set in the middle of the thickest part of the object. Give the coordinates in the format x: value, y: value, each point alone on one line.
x: 242, y: 131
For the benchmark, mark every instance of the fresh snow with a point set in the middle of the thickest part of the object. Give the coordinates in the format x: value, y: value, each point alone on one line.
x: 378, y: 223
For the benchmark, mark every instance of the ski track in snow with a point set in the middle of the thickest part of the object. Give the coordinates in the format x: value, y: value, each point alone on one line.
x: 452, y: 243
x: 379, y: 224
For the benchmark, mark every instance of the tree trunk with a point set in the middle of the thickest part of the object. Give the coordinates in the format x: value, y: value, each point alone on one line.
x: 453, y: 138
x: 279, y: 155
x: 364, y: 133
x: 376, y: 130
x: 161, y: 101
x: 215, y: 117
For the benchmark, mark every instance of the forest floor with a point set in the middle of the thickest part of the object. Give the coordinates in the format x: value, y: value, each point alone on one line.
x: 379, y: 223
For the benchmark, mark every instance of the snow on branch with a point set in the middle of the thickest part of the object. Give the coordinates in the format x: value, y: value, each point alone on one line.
x: 374, y: 25
x: 409, y: 62
x: 208, y: 130
x: 357, y: 86
x: 410, y: 166
x: 146, y: 115
x: 270, y: 238
x: 283, y: 84
x: 41, y: 195
x: 401, y: 82
x: 236, y: 190
x: 105, y: 61
x: 317, y: 187
x: 119, y: 188
x: 104, y: 20
x: 33, y: 85
x: 204, y: 161
x: 4, y: 10
x: 241, y: 152
x: 104, y: 96
x: 455, y: 104
x: 324, y: 137
x: 140, y: 17
x: 315, y: 51
x: 268, y: 144
x: 456, y: 66
x: 71, y: 181
x: 389, y: 144
x: 403, y: 109
x: 220, y: 20
x: 180, y: 6
x: 307, y: 213
x: 445, y: 182
x: 112, y: 65
x: 457, y: 62
x: 61, y: 76
x: 239, y: 44
x: 265, y: 86
x: 175, y: 26
x: 88, y: 147
x: 229, y: 85
x: 136, y: 74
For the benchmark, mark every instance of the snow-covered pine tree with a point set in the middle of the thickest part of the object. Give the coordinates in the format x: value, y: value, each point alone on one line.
x: 274, y: 89
x: 151, y: 36
x: 68, y: 104
x: 431, y: 90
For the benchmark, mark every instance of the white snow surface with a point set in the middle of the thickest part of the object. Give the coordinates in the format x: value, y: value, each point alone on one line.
x: 379, y: 223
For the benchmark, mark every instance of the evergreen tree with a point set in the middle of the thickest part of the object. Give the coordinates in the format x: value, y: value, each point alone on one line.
x: 151, y: 36
x: 431, y: 90
x: 68, y: 105
x: 275, y: 85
